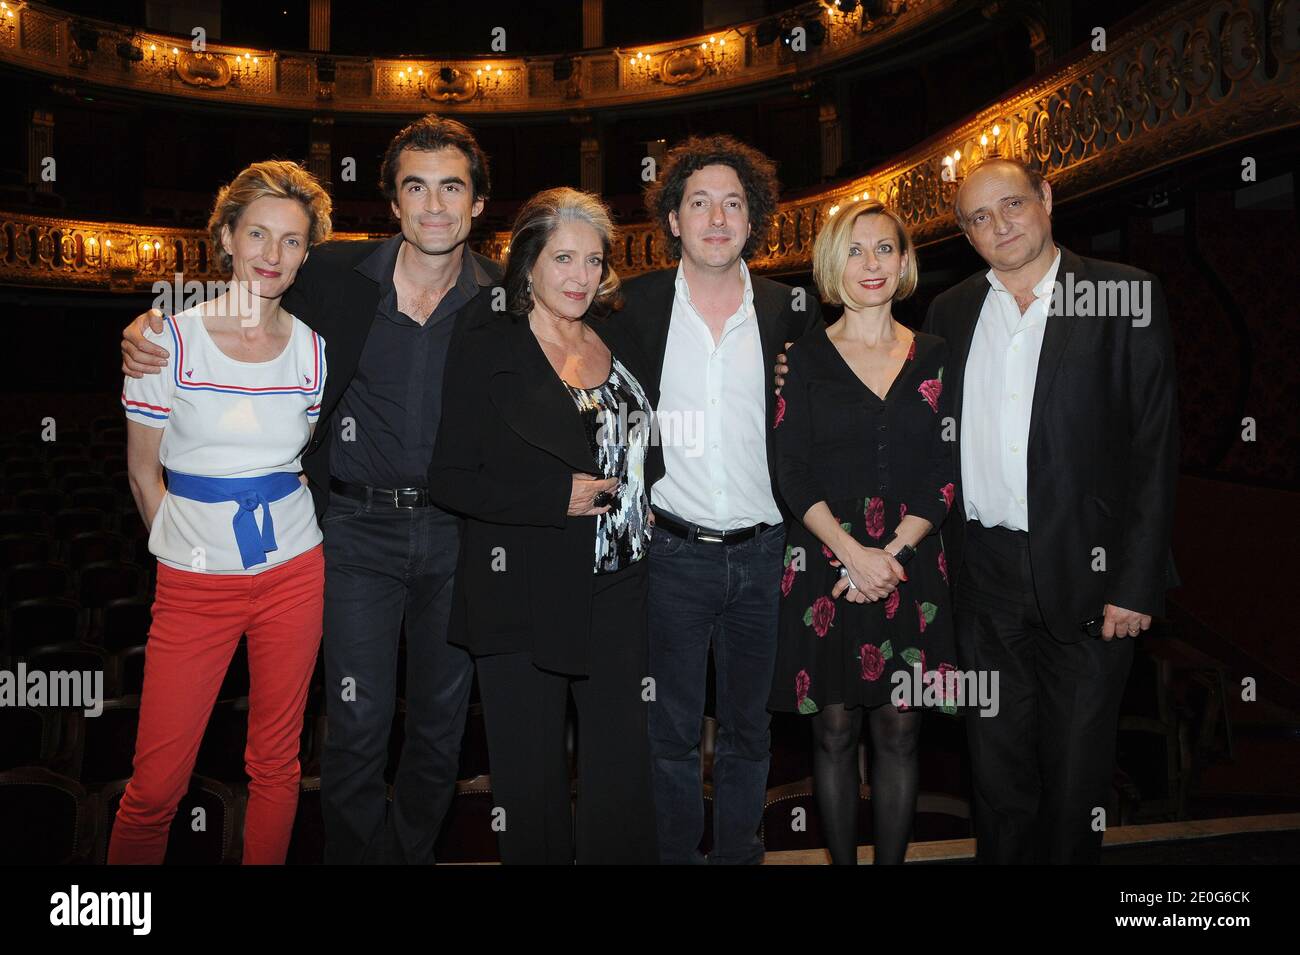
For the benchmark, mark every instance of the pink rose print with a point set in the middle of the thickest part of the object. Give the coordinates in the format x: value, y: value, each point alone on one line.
x: 943, y: 565
x: 780, y: 410
x: 787, y: 580
x: 949, y: 492
x: 823, y: 615
x: 875, y: 516
x: 829, y: 554
x: 891, y: 605
x: 942, y: 679
x: 803, y: 702
x: 820, y: 615
x: 930, y: 390
x: 925, y: 613
x: 873, y: 662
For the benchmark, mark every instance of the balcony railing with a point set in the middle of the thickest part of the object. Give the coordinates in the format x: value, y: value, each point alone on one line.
x: 1198, y: 76
x: 51, y: 41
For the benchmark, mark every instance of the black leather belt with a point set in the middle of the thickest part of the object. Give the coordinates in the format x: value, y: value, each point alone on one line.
x: 382, y: 496
x: 694, y: 532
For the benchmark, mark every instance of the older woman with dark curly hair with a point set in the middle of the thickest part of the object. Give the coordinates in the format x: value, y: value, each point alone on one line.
x: 543, y: 448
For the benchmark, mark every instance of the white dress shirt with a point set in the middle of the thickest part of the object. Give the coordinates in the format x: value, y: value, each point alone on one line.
x: 713, y: 419
x: 997, y: 400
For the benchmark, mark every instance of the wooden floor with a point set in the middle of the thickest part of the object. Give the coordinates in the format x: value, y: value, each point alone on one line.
x: 963, y: 850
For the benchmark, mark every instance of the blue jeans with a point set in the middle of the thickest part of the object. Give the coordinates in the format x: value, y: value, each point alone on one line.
x: 704, y: 595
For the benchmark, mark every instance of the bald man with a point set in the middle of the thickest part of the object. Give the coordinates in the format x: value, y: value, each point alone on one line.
x: 1062, y: 377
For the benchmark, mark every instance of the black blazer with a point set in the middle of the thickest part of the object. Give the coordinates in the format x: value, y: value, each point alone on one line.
x: 648, y: 311
x: 339, y: 302
x: 1103, y: 450
x: 508, y: 445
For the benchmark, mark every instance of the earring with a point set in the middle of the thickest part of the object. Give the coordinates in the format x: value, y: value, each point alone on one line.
x: 530, y: 286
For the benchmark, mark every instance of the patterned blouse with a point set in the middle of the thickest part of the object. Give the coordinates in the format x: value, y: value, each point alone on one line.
x: 617, y: 419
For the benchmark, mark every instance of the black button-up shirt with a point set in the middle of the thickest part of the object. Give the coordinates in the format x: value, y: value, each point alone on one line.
x: 387, y: 419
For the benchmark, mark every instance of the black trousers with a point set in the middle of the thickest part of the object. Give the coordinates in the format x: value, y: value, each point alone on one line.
x: 1042, y: 767
x: 383, y: 565
x: 524, y: 711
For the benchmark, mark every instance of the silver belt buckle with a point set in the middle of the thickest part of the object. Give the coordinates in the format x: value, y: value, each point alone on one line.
x: 708, y: 538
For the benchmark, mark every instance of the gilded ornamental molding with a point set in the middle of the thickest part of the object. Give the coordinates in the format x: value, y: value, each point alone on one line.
x: 1198, y: 76
x: 54, y: 42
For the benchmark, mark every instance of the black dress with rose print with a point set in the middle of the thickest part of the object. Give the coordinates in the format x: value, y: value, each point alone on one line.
x: 872, y: 460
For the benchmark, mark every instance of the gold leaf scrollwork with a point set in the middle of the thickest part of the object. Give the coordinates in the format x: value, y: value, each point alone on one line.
x: 1164, y: 78
x: 1240, y: 45
x: 1284, y: 30
x: 1199, y: 62
x: 458, y: 87
x: 208, y: 70
x: 682, y: 66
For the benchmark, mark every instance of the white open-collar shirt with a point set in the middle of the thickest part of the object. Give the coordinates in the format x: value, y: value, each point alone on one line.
x: 712, y: 418
x: 997, y: 399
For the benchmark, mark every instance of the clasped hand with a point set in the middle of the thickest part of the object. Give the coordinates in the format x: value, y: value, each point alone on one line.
x: 875, y: 571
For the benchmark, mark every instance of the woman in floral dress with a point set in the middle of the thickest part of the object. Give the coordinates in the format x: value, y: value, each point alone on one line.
x: 865, y: 612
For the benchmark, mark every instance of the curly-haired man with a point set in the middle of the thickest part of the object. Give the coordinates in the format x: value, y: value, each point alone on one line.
x: 711, y: 330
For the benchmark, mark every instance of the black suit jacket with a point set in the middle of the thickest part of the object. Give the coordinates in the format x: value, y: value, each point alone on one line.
x: 648, y: 311
x: 509, y: 443
x: 1103, y: 449
x: 339, y: 302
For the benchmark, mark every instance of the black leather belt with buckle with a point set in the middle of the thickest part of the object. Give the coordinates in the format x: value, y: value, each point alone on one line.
x: 694, y: 532
x: 382, y: 496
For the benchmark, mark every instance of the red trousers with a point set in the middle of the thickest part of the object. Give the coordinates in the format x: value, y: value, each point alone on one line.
x: 197, y: 623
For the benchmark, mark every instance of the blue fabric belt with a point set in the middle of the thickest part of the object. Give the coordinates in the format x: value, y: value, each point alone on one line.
x: 249, y: 494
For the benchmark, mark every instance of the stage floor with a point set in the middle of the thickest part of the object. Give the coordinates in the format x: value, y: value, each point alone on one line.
x: 1241, y: 840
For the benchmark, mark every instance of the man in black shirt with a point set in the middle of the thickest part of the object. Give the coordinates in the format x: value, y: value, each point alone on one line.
x: 388, y: 310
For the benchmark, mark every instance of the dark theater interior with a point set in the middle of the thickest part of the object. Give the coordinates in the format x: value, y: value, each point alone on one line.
x: 1167, y: 131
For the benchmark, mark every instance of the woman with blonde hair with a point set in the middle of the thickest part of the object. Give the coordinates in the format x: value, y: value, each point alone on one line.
x: 862, y: 461
x: 542, y: 447
x: 232, y: 523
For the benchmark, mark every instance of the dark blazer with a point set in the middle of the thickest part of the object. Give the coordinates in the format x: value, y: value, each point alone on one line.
x: 648, y: 311
x: 508, y: 446
x: 1103, y: 449
x: 339, y: 302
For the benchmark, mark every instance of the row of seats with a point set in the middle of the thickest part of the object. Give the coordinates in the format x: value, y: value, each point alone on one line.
x: 76, y: 588
x: 64, y: 823
x: 91, y: 585
x: 95, y: 750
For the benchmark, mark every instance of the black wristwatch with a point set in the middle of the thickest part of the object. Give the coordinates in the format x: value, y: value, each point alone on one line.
x: 905, y: 553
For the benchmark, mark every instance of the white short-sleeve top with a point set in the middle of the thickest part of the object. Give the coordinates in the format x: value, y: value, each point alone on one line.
x: 228, y: 418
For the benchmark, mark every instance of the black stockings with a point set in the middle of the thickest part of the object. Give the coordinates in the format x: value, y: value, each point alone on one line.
x: 894, y: 779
